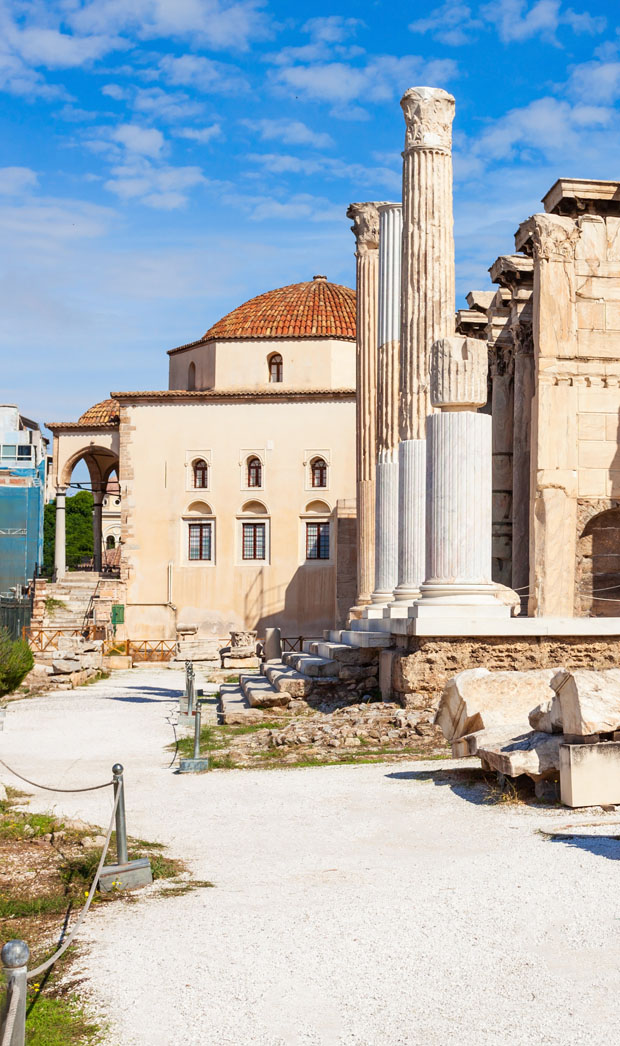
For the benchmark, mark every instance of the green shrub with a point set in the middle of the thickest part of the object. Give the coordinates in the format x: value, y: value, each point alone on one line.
x: 16, y: 661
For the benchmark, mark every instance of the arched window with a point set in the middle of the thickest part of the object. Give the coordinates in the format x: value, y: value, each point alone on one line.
x: 255, y: 472
x: 201, y: 474
x: 275, y: 367
x: 191, y: 377
x: 110, y: 541
x: 318, y: 472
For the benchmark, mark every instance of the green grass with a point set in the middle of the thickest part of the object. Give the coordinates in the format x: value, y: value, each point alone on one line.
x: 13, y: 825
x: 59, y: 1022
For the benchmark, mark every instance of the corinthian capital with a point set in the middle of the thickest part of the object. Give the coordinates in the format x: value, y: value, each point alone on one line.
x: 365, y: 228
x: 429, y: 112
x: 549, y: 237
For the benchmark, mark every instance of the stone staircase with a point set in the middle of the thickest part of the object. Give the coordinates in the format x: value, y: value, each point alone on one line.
x: 75, y: 592
x: 327, y: 668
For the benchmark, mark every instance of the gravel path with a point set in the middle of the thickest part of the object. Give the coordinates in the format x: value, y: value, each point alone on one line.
x: 354, y: 906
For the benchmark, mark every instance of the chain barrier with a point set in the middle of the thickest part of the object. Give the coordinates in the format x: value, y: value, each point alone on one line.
x: 46, y: 788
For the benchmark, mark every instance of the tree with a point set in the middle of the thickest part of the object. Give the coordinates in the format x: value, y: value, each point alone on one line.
x: 79, y: 525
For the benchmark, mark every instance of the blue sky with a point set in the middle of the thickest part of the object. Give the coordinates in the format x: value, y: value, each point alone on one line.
x: 161, y: 161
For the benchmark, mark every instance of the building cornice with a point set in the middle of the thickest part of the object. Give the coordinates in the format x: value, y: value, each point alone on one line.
x: 260, y: 337
x: 223, y: 395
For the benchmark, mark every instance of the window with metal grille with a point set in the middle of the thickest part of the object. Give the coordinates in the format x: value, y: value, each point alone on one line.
x: 201, y: 473
x: 199, y: 541
x: 253, y: 540
x: 317, y: 540
x: 255, y: 472
x: 275, y: 367
x: 318, y: 471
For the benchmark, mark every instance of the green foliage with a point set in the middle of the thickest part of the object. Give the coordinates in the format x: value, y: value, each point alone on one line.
x: 79, y: 526
x: 16, y: 660
x: 52, y: 604
x: 59, y: 1022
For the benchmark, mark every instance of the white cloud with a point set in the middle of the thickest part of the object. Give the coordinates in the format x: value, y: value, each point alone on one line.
x: 452, y: 24
x: 381, y: 79
x: 203, y: 74
x: 301, y: 206
x: 516, y: 21
x: 547, y: 125
x: 331, y: 29
x: 163, y: 187
x: 16, y: 180
x: 290, y: 132
x: 597, y: 82
x: 455, y: 23
x: 147, y: 141
x: 218, y: 25
x: 360, y: 174
x: 203, y: 135
x: 55, y: 50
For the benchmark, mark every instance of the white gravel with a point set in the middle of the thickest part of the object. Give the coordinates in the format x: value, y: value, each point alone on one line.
x: 367, y: 906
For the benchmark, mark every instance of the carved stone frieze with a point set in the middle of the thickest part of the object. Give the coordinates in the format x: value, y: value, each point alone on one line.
x: 429, y: 112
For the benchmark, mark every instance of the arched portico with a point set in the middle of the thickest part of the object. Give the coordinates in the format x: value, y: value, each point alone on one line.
x: 94, y: 439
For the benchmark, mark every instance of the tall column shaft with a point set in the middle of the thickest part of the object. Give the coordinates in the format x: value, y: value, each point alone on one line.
x: 386, y: 505
x: 427, y: 305
x: 524, y: 383
x: 60, y: 536
x: 97, y: 530
x: 459, y: 491
x: 366, y: 229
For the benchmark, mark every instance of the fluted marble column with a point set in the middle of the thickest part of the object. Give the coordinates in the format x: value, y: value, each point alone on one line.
x: 459, y: 487
x: 427, y: 305
x: 386, y: 498
x: 366, y: 230
x: 60, y: 535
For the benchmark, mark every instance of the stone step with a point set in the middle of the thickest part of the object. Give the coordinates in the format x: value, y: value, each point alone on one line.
x: 376, y: 624
x: 287, y: 679
x: 367, y: 639
x: 333, y: 635
x: 235, y: 708
x: 310, y: 665
x: 344, y: 654
x: 261, y: 694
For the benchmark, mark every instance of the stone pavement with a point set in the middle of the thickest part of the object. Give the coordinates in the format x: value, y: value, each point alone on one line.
x: 353, y: 906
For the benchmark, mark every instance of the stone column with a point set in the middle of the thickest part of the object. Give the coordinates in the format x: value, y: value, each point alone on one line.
x: 97, y: 530
x: 386, y: 505
x: 459, y: 487
x: 427, y: 304
x: 366, y: 230
x: 60, y: 539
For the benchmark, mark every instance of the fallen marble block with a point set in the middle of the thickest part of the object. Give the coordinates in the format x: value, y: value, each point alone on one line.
x: 535, y: 754
x: 476, y: 699
x: 590, y: 774
x: 547, y: 716
x: 470, y: 744
x: 589, y: 700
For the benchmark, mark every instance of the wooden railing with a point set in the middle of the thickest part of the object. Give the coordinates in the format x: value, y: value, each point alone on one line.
x: 40, y: 639
x: 151, y: 649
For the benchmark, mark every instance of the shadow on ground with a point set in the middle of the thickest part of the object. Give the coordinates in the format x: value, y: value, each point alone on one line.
x: 478, y: 786
x: 154, y: 694
x: 599, y: 845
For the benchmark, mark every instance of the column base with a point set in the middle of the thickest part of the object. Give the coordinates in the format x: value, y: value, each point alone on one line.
x: 442, y: 594
x: 405, y: 595
x: 382, y: 598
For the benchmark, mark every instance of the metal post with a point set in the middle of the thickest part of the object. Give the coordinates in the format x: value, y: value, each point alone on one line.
x: 197, y: 732
x: 15, y: 955
x: 122, y: 855
x: 190, y: 689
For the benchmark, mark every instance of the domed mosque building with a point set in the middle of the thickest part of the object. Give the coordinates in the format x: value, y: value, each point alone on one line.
x: 237, y: 483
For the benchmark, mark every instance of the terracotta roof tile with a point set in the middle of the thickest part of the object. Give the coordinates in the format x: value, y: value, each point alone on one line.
x: 104, y: 413
x: 301, y: 310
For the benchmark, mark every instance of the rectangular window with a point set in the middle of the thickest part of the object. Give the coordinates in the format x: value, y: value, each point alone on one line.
x: 253, y: 540
x: 317, y: 540
x: 200, y: 541
x: 24, y: 451
x: 9, y: 451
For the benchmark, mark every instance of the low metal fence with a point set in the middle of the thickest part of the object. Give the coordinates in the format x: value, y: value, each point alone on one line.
x: 15, y: 614
x: 15, y: 953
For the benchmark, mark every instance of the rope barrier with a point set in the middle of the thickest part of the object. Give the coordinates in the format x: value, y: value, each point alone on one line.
x: 46, y: 788
x: 10, y: 1017
x: 60, y: 951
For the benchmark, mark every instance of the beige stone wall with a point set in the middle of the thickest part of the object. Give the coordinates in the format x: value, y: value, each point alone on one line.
x: 576, y: 408
x: 159, y: 440
x: 308, y: 363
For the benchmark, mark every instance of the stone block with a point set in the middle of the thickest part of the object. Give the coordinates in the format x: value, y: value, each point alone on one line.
x: 532, y: 753
x: 477, y: 699
x: 589, y: 700
x: 592, y: 426
x: 113, y: 662
x: 590, y: 774
x: 547, y: 716
x: 65, y: 665
x: 591, y: 315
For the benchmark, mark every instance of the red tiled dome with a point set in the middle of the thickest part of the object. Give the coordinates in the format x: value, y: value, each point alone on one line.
x: 317, y: 309
x: 104, y: 413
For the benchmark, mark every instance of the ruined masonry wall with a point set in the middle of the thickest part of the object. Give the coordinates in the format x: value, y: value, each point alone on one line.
x: 420, y: 673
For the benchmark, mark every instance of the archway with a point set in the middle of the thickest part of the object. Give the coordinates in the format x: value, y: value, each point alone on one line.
x: 598, y: 566
x: 102, y: 467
